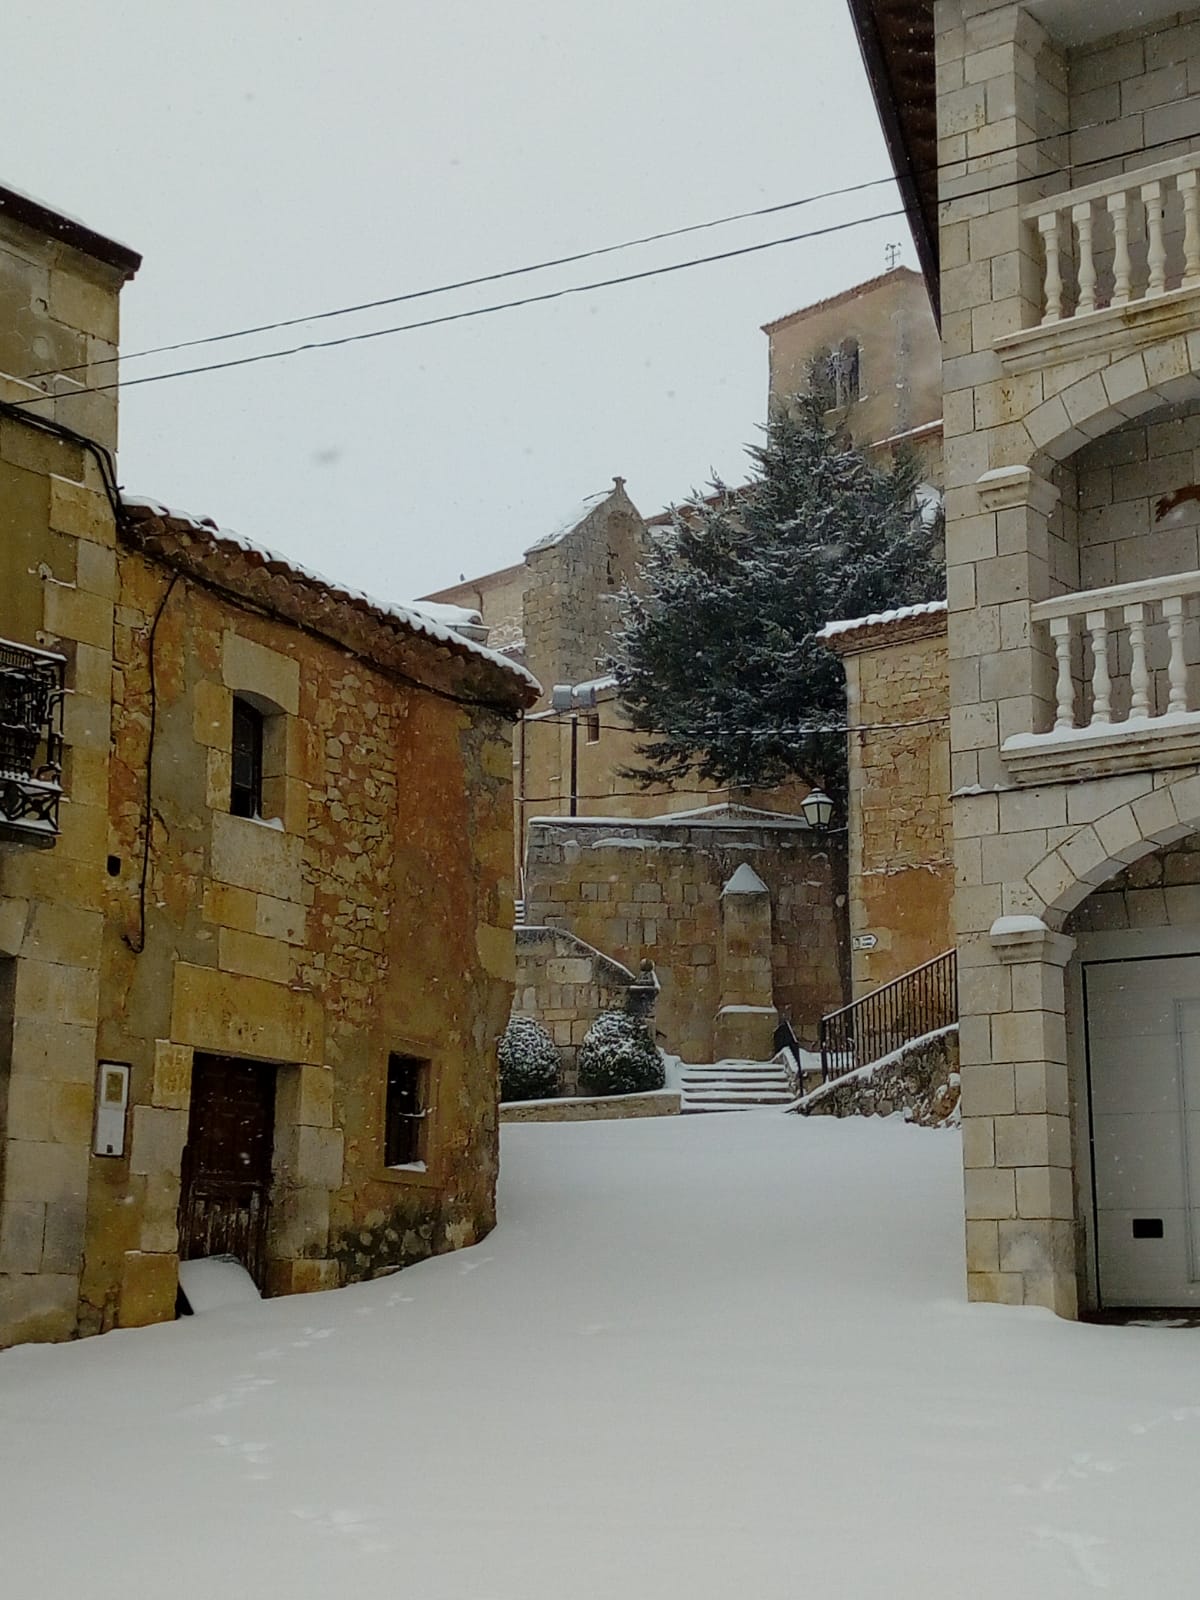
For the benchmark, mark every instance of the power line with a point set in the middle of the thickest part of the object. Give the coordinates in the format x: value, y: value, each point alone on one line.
x: 557, y: 294
x: 472, y: 283
x: 463, y: 316
x: 604, y: 250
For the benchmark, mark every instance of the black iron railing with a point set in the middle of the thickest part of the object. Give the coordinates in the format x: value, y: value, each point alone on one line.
x: 31, y: 741
x: 918, y: 1002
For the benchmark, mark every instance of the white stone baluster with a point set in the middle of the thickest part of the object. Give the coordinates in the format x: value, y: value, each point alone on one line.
x: 1097, y: 622
x: 1186, y: 183
x: 1139, y: 675
x: 1064, y: 689
x: 1087, y: 264
x: 1156, y: 248
x: 1048, y: 226
x: 1122, y: 266
x: 1172, y: 610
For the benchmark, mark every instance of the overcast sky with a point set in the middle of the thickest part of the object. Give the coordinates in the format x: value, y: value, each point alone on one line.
x: 274, y: 159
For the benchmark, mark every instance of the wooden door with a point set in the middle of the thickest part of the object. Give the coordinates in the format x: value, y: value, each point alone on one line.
x: 225, y: 1193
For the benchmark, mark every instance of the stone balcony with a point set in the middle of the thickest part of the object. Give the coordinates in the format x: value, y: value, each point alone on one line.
x: 1120, y: 265
x: 1124, y: 668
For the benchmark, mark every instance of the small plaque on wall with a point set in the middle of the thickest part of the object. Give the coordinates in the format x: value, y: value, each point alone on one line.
x: 112, y: 1101
x: 863, y: 941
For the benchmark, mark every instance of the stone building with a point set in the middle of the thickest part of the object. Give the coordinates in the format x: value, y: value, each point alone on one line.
x: 241, y: 856
x: 1069, y: 251
x: 901, y: 859
x: 873, y: 351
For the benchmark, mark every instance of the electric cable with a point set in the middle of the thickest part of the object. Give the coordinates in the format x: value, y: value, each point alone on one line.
x: 611, y: 249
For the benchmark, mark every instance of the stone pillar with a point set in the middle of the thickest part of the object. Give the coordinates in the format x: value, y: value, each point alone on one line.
x: 1016, y: 1119
x: 747, y: 1018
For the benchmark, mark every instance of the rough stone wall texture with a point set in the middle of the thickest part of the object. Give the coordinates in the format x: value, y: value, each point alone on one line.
x: 1051, y: 408
x: 901, y: 868
x: 320, y: 943
x: 922, y: 1081
x: 565, y: 984
x: 57, y: 558
x: 899, y: 354
x: 652, y: 890
x: 571, y: 596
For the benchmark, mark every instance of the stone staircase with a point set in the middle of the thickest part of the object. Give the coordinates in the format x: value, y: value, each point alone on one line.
x: 734, y: 1086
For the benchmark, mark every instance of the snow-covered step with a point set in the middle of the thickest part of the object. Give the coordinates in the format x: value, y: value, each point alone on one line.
x: 734, y: 1086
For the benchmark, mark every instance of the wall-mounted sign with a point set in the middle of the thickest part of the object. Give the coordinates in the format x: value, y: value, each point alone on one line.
x: 863, y: 941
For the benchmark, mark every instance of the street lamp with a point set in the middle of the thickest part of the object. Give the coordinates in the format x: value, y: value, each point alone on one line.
x: 817, y: 808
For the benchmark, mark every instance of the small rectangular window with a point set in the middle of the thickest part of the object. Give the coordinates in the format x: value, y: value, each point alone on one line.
x: 406, y: 1111
x: 245, y: 794
x: 593, y: 727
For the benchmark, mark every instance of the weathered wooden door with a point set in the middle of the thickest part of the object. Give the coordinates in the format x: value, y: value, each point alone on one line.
x: 225, y: 1193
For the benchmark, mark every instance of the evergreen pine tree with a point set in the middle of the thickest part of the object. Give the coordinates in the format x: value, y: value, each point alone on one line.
x: 718, y: 656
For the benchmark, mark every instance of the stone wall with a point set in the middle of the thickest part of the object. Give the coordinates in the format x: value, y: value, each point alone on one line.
x: 565, y: 984
x: 652, y: 889
x: 921, y: 1080
x: 595, y: 1108
x: 575, y: 576
x: 901, y: 873
x: 58, y: 563
x: 899, y: 353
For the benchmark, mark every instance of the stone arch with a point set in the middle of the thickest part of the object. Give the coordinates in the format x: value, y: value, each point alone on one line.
x: 1131, y: 828
x: 1161, y: 374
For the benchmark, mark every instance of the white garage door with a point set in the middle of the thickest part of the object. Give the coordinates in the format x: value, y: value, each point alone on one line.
x: 1143, y: 1029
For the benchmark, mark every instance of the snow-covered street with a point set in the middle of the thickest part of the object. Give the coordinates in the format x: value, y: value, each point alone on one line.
x: 707, y: 1356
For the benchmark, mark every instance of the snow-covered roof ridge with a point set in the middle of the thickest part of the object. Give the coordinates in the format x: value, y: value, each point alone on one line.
x: 406, y: 617
x: 577, y: 516
x: 927, y: 608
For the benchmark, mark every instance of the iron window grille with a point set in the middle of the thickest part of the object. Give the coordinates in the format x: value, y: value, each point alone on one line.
x: 32, y: 686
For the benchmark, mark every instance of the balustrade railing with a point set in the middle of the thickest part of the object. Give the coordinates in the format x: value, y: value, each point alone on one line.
x: 1120, y: 652
x: 1121, y: 240
x: 917, y: 1003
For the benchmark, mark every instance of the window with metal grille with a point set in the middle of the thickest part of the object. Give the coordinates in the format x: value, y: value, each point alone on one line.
x: 31, y: 743
x: 406, y: 1111
x: 246, y: 789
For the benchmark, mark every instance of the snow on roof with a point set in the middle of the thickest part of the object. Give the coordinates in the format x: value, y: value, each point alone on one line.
x: 927, y: 608
x: 415, y: 621
x: 450, y: 616
x: 892, y: 275
x: 745, y: 881
x: 570, y: 522
x: 579, y: 514
x: 36, y: 213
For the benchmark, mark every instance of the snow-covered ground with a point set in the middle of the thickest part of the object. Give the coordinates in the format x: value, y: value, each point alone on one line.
x: 700, y: 1357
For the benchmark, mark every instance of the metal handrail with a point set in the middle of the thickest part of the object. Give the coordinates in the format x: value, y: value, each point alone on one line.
x: 916, y: 1003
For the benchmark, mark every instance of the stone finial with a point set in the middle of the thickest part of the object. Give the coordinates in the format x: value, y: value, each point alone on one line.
x: 745, y: 881
x: 618, y: 483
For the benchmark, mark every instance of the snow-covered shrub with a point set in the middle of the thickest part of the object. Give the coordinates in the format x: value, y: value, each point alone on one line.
x: 528, y: 1061
x: 618, y: 1056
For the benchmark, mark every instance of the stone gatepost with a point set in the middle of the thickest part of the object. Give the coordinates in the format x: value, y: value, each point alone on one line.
x: 747, y: 1018
x: 1016, y: 1119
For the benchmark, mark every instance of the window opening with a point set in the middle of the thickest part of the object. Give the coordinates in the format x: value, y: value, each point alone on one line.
x: 245, y: 795
x: 405, y: 1111
x: 592, y: 724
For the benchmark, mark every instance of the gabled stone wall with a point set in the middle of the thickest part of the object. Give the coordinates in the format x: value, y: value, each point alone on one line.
x: 652, y: 889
